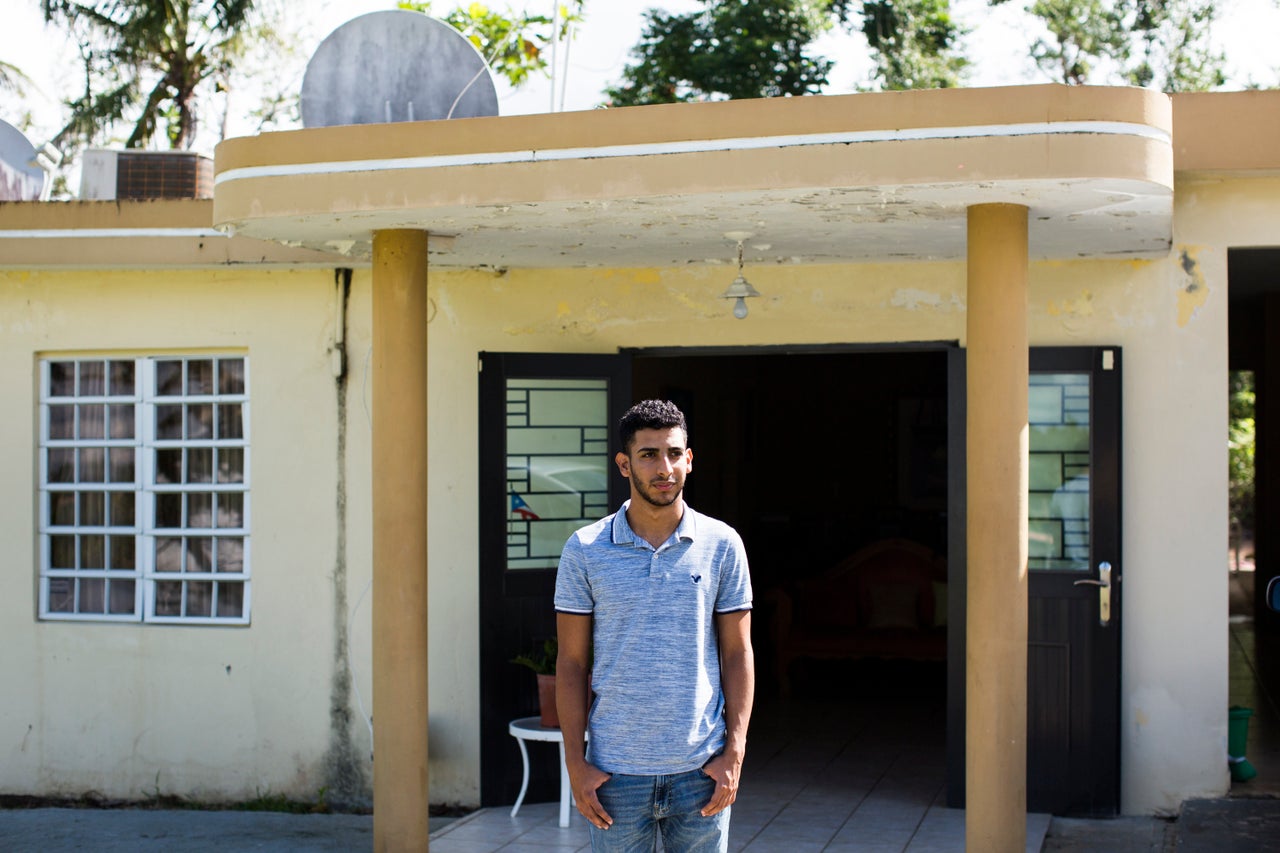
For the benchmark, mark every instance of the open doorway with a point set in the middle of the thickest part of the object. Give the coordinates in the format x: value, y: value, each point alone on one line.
x: 833, y: 467
x: 1254, y: 641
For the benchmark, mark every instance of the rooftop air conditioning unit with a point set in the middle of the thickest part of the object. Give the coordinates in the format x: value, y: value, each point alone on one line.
x: 107, y: 175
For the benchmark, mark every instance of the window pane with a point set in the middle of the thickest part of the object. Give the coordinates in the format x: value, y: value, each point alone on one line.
x: 62, y: 465
x: 62, y: 379
x: 1058, y: 477
x: 121, y: 460
x: 200, y: 376
x: 169, y: 510
x: 93, y: 421
x: 61, y: 597
x: 231, y: 465
x: 200, y: 599
x: 200, y: 465
x: 231, y: 376
x: 168, y: 554
x: 168, y: 598
x: 121, y: 378
x: 230, y: 555
x: 93, y: 465
x: 121, y: 415
x: 168, y: 422
x: 122, y: 510
x: 93, y: 552
x: 93, y: 509
x: 62, y: 552
x: 557, y: 465
x: 92, y: 379
x: 123, y: 553
x: 230, y: 421
x: 169, y: 465
x: 231, y: 510
x: 62, y: 422
x: 200, y: 420
x: 230, y: 600
x: 123, y: 596
x: 169, y: 378
x: 199, y: 554
x: 92, y: 596
x: 62, y: 509
x: 199, y: 509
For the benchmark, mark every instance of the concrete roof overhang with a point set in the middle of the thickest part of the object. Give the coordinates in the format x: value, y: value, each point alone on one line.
x: 885, y: 176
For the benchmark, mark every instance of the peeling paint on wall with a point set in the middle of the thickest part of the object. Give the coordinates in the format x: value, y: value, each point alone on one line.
x: 1079, y: 307
x: 914, y: 300
x: 1193, y: 292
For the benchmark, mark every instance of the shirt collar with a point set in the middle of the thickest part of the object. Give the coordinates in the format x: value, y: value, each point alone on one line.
x: 624, y: 535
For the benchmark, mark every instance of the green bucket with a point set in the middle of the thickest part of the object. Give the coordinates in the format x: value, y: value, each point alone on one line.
x: 1237, y: 739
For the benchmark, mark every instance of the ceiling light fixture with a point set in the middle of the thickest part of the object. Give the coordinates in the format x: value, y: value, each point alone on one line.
x: 740, y: 290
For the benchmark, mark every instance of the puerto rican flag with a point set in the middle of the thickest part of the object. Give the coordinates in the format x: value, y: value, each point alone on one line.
x: 520, y: 508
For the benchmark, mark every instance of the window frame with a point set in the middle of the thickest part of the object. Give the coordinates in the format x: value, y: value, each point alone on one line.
x: 146, y: 487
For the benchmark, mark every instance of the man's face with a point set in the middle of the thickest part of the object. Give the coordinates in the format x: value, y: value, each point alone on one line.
x: 657, y: 464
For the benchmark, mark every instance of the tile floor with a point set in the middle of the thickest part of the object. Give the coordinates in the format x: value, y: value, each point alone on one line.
x: 1254, y: 682
x: 861, y: 774
x: 855, y: 774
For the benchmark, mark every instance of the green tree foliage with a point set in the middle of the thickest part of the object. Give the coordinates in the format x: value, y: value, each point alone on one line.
x: 915, y: 43
x: 1082, y: 33
x: 145, y: 61
x: 728, y: 49
x: 1240, y: 452
x: 513, y: 45
x: 1162, y: 44
x: 1173, y: 53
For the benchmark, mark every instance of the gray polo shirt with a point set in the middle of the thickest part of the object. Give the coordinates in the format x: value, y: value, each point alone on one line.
x: 659, y: 707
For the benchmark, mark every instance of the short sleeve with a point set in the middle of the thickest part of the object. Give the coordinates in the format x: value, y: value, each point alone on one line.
x: 573, y: 589
x: 735, y: 579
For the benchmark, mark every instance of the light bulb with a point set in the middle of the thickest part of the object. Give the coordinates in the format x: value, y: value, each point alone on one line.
x: 740, y: 307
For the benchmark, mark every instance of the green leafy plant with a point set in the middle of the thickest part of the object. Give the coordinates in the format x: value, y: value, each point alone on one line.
x: 541, y: 661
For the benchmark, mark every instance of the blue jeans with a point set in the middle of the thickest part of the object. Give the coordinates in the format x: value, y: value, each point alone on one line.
x: 643, y: 806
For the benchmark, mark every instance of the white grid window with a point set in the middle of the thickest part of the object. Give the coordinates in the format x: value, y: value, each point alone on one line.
x: 144, y: 489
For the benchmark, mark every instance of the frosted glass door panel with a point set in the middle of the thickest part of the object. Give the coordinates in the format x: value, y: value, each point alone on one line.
x: 557, y: 465
x: 1058, y: 478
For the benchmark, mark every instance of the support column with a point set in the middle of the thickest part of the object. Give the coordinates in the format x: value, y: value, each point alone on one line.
x: 399, y: 394
x: 996, y: 628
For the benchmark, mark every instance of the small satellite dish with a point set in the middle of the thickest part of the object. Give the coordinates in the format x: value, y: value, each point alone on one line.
x: 21, y: 176
x: 395, y: 65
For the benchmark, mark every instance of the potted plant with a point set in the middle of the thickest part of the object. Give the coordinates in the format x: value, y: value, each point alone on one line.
x: 543, y: 663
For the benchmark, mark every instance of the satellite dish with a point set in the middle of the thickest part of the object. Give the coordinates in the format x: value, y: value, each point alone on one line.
x: 21, y: 176
x: 395, y: 65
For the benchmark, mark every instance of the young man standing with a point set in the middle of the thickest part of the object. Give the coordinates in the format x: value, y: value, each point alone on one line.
x: 653, y: 612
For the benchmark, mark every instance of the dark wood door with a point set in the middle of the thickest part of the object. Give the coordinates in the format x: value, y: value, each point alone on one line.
x: 1073, y: 651
x: 1074, y: 592
x: 546, y: 450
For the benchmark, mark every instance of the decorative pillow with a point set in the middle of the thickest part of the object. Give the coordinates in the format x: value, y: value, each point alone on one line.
x: 893, y: 605
x: 939, y: 604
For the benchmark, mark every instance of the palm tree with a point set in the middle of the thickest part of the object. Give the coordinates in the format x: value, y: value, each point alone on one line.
x: 145, y: 60
x: 12, y: 79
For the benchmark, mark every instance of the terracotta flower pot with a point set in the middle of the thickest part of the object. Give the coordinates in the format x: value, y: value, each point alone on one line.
x: 547, y: 701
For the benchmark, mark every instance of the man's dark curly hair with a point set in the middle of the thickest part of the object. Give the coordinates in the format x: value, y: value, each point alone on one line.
x: 650, y: 414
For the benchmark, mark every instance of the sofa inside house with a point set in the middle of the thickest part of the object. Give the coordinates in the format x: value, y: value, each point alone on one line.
x: 887, y: 600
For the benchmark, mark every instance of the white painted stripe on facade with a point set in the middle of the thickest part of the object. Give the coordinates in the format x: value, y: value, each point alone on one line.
x: 91, y: 233
x: 1066, y: 128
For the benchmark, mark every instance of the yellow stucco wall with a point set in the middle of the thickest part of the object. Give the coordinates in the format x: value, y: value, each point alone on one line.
x: 268, y: 719
x: 212, y: 712
x: 1172, y: 329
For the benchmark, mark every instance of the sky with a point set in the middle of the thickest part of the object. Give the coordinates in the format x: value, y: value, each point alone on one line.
x: 998, y: 44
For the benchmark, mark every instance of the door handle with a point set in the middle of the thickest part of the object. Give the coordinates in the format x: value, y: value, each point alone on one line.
x: 1103, y: 583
